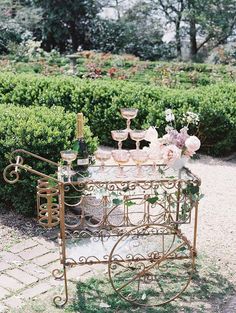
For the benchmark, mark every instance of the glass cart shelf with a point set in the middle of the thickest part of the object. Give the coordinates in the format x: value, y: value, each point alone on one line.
x: 110, y: 174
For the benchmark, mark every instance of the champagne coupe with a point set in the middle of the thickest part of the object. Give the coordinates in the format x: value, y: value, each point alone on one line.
x: 119, y: 135
x: 102, y: 156
x: 129, y: 114
x: 137, y: 135
x: 139, y: 157
x: 69, y: 156
x: 120, y: 157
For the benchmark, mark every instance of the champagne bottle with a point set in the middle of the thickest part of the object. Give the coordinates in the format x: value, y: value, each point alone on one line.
x: 80, y: 146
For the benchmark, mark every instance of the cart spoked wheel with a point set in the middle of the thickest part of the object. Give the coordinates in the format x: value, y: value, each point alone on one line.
x: 151, y: 265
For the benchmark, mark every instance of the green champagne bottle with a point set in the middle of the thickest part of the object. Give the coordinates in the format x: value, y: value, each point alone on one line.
x: 80, y: 146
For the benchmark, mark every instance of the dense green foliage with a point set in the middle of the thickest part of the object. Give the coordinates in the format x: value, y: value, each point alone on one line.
x: 130, y: 26
x: 206, y: 23
x: 42, y: 131
x: 19, y: 21
x: 67, y: 24
x: 100, y: 101
x: 137, y: 32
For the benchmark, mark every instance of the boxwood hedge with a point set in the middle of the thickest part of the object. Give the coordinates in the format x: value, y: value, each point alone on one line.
x: 100, y: 101
x: 41, y: 130
x: 40, y: 117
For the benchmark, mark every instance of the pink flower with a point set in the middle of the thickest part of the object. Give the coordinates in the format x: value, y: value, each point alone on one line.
x: 170, y: 154
x: 192, y: 144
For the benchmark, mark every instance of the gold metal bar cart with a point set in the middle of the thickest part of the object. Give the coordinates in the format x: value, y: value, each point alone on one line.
x: 131, y: 223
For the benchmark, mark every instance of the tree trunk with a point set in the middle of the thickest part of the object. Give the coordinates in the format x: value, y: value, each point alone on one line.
x: 73, y: 35
x: 118, y: 10
x: 48, y: 43
x: 177, y: 38
x: 193, y: 39
x: 192, y: 30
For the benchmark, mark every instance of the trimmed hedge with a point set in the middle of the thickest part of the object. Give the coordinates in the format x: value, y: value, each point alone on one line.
x: 100, y: 101
x: 216, y: 106
x: 41, y: 130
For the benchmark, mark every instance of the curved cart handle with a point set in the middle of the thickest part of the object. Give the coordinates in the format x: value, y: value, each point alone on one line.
x: 34, y: 156
x: 11, y: 172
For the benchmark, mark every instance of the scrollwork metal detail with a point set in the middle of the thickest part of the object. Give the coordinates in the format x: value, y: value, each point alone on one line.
x: 11, y: 172
x: 10, y: 175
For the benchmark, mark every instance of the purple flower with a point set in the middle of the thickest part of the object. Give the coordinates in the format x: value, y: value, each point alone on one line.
x: 178, y: 138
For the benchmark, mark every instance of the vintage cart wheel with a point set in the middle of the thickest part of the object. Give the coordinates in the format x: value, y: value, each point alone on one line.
x: 151, y: 265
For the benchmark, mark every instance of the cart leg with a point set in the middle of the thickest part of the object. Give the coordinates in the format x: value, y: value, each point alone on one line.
x: 58, y: 300
x: 195, y: 230
x: 178, y: 200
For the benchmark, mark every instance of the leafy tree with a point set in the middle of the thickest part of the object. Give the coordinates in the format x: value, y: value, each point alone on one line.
x: 205, y: 22
x: 136, y: 32
x: 109, y: 35
x: 67, y: 22
x: 213, y: 21
x: 174, y: 13
x: 18, y: 21
x: 144, y: 32
x: 117, y: 5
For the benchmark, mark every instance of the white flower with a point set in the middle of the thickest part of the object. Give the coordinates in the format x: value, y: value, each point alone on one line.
x: 170, y: 118
x: 184, y: 130
x: 151, y: 134
x: 104, y: 305
x: 169, y: 115
x: 191, y: 118
x: 146, y: 149
x: 192, y: 143
x: 168, y: 111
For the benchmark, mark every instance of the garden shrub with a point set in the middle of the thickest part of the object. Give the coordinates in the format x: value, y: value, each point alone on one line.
x: 41, y: 130
x: 216, y: 106
x: 100, y: 101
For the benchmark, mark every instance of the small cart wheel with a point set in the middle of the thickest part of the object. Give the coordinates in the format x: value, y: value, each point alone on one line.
x: 151, y: 265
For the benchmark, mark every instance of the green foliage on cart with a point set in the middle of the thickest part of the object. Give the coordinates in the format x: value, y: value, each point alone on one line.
x: 40, y: 130
x: 100, y: 101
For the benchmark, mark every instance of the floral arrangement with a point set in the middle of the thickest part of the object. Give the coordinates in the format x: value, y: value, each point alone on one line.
x: 175, y: 147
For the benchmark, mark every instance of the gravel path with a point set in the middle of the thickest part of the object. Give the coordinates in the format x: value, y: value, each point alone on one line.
x: 217, y: 214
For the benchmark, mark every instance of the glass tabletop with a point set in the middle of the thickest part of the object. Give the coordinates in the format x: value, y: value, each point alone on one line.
x: 111, y: 173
